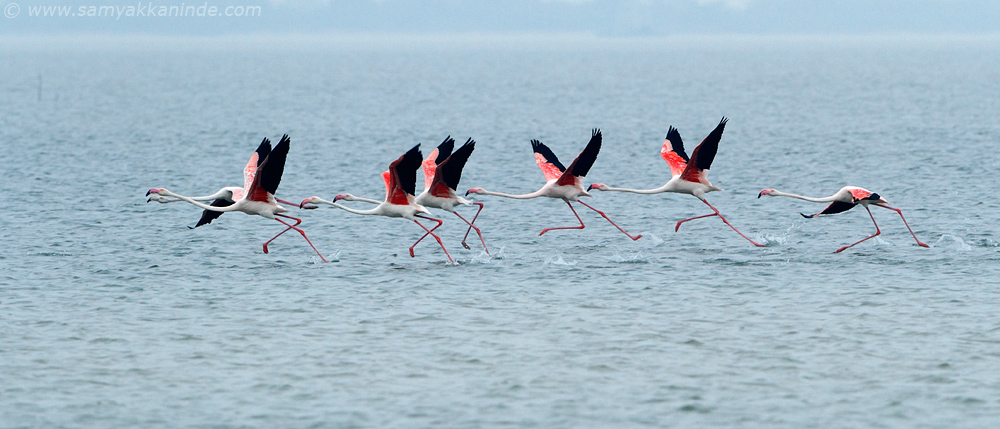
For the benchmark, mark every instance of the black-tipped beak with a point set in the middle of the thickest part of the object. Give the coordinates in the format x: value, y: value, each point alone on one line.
x: 590, y: 187
x: 761, y: 193
x: 301, y: 205
x: 467, y: 193
x: 149, y: 199
x: 148, y: 192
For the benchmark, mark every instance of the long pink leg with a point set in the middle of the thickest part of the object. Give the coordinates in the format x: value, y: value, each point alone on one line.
x: 471, y: 226
x: 566, y: 227
x: 877, y: 232
x: 297, y: 222
x: 431, y: 232
x: 676, y: 228
x: 612, y: 222
x: 922, y: 244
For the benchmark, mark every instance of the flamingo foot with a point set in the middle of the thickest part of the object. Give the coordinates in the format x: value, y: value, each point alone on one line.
x: 466, y: 246
x: 411, y: 253
x: 265, y: 248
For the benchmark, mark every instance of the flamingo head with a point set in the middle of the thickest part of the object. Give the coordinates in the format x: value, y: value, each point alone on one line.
x: 598, y: 186
x: 154, y: 195
x: 305, y: 203
x: 474, y: 191
x: 345, y: 197
x: 765, y: 192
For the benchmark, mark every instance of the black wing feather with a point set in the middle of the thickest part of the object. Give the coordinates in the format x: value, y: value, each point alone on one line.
x: 543, y: 150
x: 834, y: 207
x: 451, y: 168
x: 207, y: 216
x: 677, y: 144
x: 263, y: 150
x: 269, y: 172
x: 444, y: 149
x: 708, y: 147
x: 581, y: 165
x: 406, y: 169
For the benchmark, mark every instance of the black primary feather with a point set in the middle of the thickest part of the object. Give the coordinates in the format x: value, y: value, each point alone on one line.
x: 270, y: 171
x: 834, y: 207
x: 444, y: 149
x: 406, y: 169
x: 263, y: 150
x: 543, y: 150
x: 676, y: 143
x: 207, y: 216
x: 581, y: 165
x: 451, y: 169
x: 708, y: 147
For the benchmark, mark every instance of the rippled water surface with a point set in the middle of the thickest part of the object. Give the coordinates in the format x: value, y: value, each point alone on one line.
x: 113, y: 313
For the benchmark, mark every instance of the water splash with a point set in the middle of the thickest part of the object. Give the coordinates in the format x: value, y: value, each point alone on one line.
x: 952, y: 242
x: 630, y: 258
x: 558, y: 260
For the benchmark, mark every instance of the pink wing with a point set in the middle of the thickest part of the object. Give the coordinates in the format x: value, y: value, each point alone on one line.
x: 248, y: 173
x: 429, y: 166
x: 676, y: 163
x: 549, y: 169
x: 859, y: 193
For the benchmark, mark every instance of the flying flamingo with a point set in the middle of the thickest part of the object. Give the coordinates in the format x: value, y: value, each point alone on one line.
x: 229, y: 194
x: 400, y: 183
x: 442, y: 171
x: 689, y: 176
x: 845, y: 199
x: 562, y: 183
x: 259, y: 193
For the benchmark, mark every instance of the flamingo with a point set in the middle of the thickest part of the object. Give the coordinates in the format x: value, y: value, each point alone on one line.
x: 688, y: 176
x: 400, y: 183
x: 442, y: 171
x: 258, y: 194
x: 845, y: 199
x: 229, y: 194
x: 561, y: 182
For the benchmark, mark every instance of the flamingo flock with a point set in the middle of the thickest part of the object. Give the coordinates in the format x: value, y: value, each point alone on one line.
x: 442, y: 171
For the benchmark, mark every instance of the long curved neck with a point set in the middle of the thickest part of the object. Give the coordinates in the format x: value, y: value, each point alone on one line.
x: 365, y: 200
x: 801, y: 197
x: 348, y: 209
x: 199, y: 204
x: 661, y: 189
x: 535, y: 194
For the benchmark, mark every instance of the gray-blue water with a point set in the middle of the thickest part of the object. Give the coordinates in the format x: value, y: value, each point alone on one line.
x: 113, y: 313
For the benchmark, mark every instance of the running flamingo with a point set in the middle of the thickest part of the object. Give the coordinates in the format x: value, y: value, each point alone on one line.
x: 845, y: 199
x: 442, y: 171
x: 230, y: 194
x: 258, y: 194
x: 689, y: 176
x: 400, y: 184
x: 562, y: 183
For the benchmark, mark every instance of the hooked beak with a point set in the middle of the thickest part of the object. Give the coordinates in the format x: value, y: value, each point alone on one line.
x: 590, y: 187
x: 761, y: 193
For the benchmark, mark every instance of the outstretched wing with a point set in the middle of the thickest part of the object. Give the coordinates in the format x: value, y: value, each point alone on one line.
x: 834, y: 207
x: 703, y: 155
x: 436, y: 157
x: 451, y: 168
x: 581, y: 165
x: 269, y: 172
x: 402, y: 180
x: 255, y: 160
x: 673, y: 152
x: 547, y: 161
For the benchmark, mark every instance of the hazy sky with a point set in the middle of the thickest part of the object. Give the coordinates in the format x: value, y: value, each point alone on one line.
x: 595, y: 17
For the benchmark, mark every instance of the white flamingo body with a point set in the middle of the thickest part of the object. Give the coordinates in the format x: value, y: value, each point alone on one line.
x: 564, y: 183
x: 843, y: 200
x: 688, y: 175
